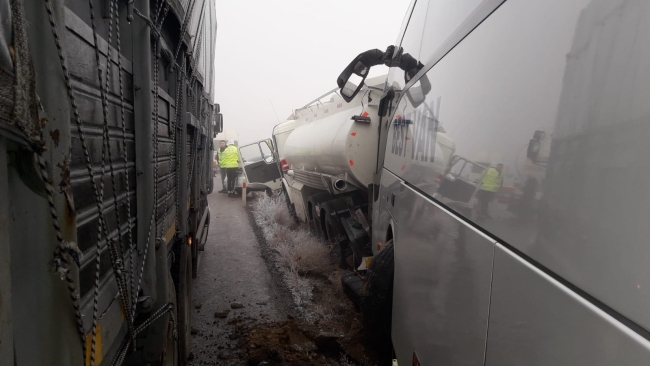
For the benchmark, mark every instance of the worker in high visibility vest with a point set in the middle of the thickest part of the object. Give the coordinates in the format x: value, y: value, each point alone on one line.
x: 490, y: 184
x: 229, y: 160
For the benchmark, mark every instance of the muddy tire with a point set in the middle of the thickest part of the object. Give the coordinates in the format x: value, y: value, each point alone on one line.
x: 210, y: 183
x: 182, y: 273
x: 290, y: 206
x: 377, y: 306
x: 195, y: 258
x: 314, y: 224
x: 336, y: 237
x: 317, y: 223
x: 334, y: 240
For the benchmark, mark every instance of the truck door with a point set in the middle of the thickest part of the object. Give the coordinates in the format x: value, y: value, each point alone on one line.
x: 260, y: 162
x: 462, y: 181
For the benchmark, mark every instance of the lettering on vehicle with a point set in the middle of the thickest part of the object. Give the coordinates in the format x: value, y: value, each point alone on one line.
x: 422, y: 125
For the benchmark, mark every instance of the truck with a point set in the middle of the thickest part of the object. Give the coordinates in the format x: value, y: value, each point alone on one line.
x: 107, y: 119
x: 563, y: 106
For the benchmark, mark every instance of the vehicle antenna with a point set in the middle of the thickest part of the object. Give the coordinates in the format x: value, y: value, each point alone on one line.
x: 276, y: 113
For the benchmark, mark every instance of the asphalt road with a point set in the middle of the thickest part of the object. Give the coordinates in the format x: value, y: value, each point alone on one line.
x: 232, y: 273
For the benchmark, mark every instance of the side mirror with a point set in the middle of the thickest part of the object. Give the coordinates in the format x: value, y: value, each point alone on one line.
x: 534, y: 145
x: 533, y: 150
x: 351, y: 79
x: 418, y: 92
x: 218, y: 125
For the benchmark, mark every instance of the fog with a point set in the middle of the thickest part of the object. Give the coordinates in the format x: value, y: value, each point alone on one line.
x: 276, y: 56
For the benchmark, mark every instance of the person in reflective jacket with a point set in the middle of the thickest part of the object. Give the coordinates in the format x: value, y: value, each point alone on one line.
x: 490, y: 184
x: 230, y: 161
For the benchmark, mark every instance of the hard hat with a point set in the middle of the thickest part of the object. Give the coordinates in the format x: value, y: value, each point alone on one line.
x: 231, y: 142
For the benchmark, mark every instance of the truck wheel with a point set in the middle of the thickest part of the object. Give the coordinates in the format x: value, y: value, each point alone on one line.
x: 195, y: 260
x: 170, y: 353
x: 315, y: 225
x: 210, y: 185
x: 377, y: 306
x: 182, y: 273
x: 290, y: 206
x: 335, y: 241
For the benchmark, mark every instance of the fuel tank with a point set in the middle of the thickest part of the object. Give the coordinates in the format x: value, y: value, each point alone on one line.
x: 329, y: 139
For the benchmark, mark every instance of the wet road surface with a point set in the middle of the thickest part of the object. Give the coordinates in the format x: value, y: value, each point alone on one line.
x: 234, y: 285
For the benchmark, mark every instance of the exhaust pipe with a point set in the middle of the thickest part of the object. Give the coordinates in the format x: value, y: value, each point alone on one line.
x: 340, y: 185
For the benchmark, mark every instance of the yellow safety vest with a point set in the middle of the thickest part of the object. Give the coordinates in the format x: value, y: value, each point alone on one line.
x: 229, y: 158
x: 491, y: 180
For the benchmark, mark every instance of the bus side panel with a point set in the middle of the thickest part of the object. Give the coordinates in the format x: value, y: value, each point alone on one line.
x: 442, y: 283
x: 535, y: 320
x: 582, y: 83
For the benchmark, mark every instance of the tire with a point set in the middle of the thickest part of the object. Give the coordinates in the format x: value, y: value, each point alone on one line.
x: 290, y: 206
x: 195, y: 261
x: 210, y: 185
x: 269, y: 192
x: 315, y: 224
x: 170, y: 353
x: 335, y: 241
x: 377, y: 304
x: 182, y: 273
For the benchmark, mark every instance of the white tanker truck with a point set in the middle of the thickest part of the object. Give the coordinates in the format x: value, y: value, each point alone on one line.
x: 327, y: 157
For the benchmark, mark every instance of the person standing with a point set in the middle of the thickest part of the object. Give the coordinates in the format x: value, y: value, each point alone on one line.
x: 222, y: 170
x: 230, y: 162
x: 490, y: 184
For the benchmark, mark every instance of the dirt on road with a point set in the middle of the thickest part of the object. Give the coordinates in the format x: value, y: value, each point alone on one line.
x: 267, y: 293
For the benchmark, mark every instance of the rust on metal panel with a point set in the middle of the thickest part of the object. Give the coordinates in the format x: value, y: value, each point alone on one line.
x: 55, y: 135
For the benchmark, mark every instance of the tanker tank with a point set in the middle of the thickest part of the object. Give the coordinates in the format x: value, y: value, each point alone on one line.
x: 328, y: 141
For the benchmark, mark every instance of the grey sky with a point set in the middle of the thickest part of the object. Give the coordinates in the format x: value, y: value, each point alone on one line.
x: 291, y: 51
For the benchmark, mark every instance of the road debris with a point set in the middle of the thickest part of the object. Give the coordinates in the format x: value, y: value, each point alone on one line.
x: 222, y: 314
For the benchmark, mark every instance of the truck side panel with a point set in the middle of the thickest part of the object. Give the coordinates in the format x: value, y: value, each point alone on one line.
x: 134, y: 172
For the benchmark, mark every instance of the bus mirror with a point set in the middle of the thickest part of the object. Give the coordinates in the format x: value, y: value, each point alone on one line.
x: 351, y: 79
x: 218, y: 125
x: 534, y: 145
x: 533, y: 150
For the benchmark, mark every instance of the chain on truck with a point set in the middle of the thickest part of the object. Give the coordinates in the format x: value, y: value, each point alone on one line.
x: 106, y: 126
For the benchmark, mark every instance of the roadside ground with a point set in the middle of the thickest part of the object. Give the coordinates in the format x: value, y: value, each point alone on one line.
x: 268, y: 294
